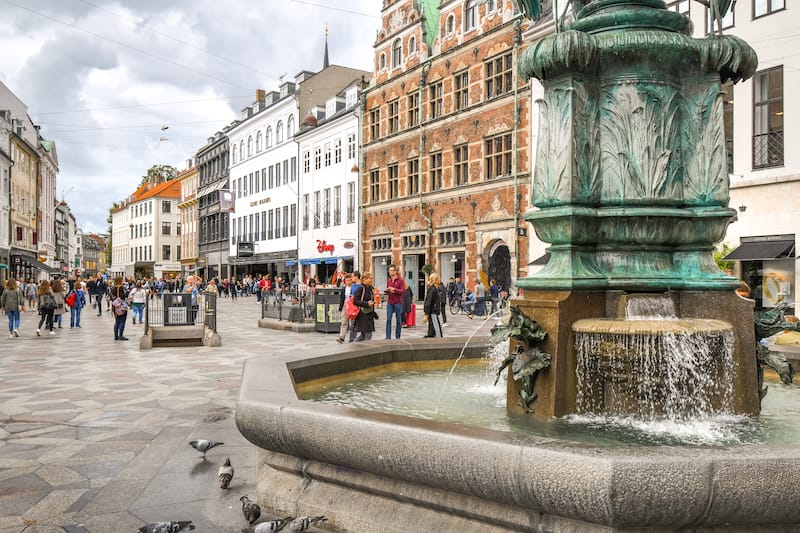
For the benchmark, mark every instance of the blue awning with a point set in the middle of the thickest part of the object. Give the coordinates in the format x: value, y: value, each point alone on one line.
x: 291, y: 263
x: 310, y: 261
x: 330, y: 260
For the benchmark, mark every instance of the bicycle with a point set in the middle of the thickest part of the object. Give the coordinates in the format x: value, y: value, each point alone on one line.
x: 456, y: 306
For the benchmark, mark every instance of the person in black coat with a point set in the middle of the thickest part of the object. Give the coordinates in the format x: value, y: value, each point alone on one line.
x: 433, y: 306
x: 364, y: 297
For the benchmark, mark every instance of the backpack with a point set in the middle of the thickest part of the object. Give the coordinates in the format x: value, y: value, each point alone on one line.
x: 350, y: 308
x: 49, y: 303
x: 120, y: 306
x: 70, y: 301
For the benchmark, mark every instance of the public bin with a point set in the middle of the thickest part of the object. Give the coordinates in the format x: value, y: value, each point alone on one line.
x: 178, y: 309
x: 328, y: 318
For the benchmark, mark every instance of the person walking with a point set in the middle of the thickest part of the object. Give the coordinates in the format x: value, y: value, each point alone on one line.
x: 47, y: 306
x: 494, y: 295
x: 480, y: 300
x: 138, y: 296
x: 31, y: 293
x: 91, y: 288
x: 100, y: 290
x: 78, y: 297
x: 120, y: 311
x: 364, y: 298
x: 347, y: 292
x: 12, y: 302
x: 58, y: 294
x: 433, y: 306
x: 442, y: 302
x: 395, y: 289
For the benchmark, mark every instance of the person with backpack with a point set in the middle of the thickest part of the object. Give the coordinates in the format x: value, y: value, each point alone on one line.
x: 57, y: 286
x: 119, y: 305
x: 13, y: 303
x: 76, y: 301
x: 47, y: 306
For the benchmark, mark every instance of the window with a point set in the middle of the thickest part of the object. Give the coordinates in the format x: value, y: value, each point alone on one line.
x: 326, y: 217
x: 290, y: 127
x: 435, y: 94
x: 471, y: 14
x: 375, y: 123
x: 767, y: 7
x: 327, y: 154
x: 166, y: 206
x: 279, y: 132
x: 277, y: 174
x: 711, y: 23
x: 412, y: 45
x: 285, y: 221
x: 278, y: 223
x: 317, y: 158
x: 498, y: 156
x: 679, y: 6
x: 235, y: 154
x: 461, y: 164
x: 768, y: 118
x: 351, y: 146
x: 435, y: 171
x: 270, y: 225
x: 241, y: 150
x: 351, y: 202
x: 375, y: 185
x: 413, y: 176
x: 285, y: 171
x: 727, y: 115
x: 450, y: 25
x: 337, y: 151
x: 397, y: 53
x: 178, y: 229
x: 268, y: 138
x: 258, y: 141
x: 317, y: 208
x: 305, y: 211
x: 382, y: 62
x: 394, y: 181
x: 293, y: 220
x: 394, y: 114
x: 498, y: 75
x: 306, y: 162
x: 258, y: 181
x: 249, y: 146
x: 337, y: 205
x: 294, y: 168
x: 271, y: 176
x: 413, y: 109
x: 462, y: 90
x: 166, y: 252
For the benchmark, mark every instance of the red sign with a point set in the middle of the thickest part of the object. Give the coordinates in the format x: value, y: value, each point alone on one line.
x: 323, y: 246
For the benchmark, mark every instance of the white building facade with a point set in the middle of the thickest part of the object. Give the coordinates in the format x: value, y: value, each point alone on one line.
x: 5, y: 194
x: 329, y: 185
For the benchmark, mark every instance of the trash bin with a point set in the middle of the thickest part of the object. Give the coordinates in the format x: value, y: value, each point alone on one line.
x: 328, y: 318
x: 178, y: 309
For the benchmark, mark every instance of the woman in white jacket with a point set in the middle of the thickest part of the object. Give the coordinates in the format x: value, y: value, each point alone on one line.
x: 137, y: 298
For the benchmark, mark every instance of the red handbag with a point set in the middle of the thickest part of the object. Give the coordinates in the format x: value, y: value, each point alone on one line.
x: 350, y: 309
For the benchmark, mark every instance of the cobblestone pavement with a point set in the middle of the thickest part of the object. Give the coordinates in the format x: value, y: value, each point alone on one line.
x: 94, y: 432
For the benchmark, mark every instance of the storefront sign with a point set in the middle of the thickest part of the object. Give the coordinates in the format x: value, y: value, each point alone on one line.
x: 323, y: 246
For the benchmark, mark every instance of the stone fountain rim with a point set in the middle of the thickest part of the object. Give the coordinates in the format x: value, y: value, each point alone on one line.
x: 627, y: 486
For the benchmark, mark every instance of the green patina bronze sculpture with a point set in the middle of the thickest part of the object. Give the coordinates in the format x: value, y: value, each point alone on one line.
x: 767, y: 324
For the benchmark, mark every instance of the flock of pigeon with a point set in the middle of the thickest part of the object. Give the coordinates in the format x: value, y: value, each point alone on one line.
x: 250, y: 509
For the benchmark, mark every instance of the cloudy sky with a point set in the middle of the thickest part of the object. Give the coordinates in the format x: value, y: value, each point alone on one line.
x: 101, y: 77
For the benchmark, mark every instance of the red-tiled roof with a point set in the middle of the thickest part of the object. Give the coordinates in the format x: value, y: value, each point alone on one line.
x: 167, y: 189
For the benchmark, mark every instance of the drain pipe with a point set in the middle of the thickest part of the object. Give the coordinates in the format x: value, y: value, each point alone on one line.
x: 421, y: 91
x: 514, y: 142
x: 362, y: 161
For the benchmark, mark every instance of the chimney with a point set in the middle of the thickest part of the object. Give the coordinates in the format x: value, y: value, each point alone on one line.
x: 260, y: 95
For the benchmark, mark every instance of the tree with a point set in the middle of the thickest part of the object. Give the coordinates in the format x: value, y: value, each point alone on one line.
x: 719, y: 254
x: 109, y: 242
x: 159, y: 174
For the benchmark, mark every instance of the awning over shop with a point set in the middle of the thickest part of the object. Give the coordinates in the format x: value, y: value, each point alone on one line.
x: 291, y: 263
x: 31, y: 261
x: 325, y: 260
x: 310, y: 261
x: 211, y: 188
x: 761, y: 250
x: 539, y: 261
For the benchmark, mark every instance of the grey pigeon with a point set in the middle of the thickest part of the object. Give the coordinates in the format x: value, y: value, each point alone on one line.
x: 203, y: 445
x: 167, y: 527
x: 250, y: 509
x: 225, y: 475
x: 269, y: 527
x: 302, y: 523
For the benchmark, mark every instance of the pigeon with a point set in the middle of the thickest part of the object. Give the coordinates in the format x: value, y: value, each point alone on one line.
x: 225, y: 475
x: 302, y: 523
x: 250, y: 509
x: 203, y: 445
x: 269, y: 527
x: 167, y: 527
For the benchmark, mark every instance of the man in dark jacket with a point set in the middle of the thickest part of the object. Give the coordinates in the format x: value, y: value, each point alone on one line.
x: 100, y: 290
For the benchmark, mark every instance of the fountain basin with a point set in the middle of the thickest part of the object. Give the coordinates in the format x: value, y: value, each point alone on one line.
x: 370, y: 471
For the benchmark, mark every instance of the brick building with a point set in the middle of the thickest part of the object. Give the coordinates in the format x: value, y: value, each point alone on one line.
x: 445, y: 165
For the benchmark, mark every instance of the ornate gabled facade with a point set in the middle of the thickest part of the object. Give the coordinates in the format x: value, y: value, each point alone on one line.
x: 212, y: 238
x: 446, y: 156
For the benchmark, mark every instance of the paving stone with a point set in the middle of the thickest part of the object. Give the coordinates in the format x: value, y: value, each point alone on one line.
x: 57, y: 475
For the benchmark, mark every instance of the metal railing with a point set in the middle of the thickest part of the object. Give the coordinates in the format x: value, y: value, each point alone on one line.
x: 179, y: 309
x: 287, y: 306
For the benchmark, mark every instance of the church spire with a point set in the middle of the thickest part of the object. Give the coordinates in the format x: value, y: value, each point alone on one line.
x: 325, y: 62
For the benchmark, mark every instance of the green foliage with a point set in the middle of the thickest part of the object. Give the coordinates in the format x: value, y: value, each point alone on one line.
x: 427, y: 269
x: 109, y: 241
x: 159, y: 174
x: 719, y: 254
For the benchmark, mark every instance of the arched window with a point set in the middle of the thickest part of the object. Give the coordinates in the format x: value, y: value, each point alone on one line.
x: 290, y: 127
x: 471, y: 15
x: 279, y: 132
x: 241, y: 150
x: 268, y: 138
x: 235, y: 154
x: 412, y: 45
x: 450, y: 25
x: 249, y: 146
x: 258, y: 141
x: 382, y: 62
x: 397, y: 53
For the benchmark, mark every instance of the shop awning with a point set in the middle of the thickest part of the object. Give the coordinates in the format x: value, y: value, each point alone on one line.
x: 310, y: 261
x: 539, y: 261
x: 291, y: 263
x: 3, y: 265
x: 760, y: 250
